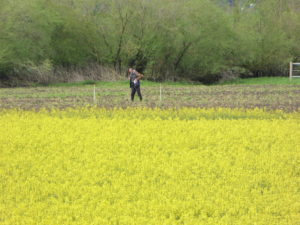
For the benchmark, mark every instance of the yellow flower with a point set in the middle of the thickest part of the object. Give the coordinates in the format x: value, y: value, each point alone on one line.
x: 149, y: 166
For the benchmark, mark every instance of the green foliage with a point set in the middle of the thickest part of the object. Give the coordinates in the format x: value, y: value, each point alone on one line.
x: 167, y: 40
x: 266, y: 47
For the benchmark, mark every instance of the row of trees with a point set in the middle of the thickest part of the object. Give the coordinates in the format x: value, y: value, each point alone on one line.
x: 165, y: 39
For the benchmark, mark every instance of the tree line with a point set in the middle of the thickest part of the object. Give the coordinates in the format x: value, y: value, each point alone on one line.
x: 202, y: 40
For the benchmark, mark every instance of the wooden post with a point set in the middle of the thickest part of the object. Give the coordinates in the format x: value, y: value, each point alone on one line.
x: 94, y: 97
x: 291, y: 70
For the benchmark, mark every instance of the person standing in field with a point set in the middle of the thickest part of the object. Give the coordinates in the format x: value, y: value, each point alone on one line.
x: 135, y: 85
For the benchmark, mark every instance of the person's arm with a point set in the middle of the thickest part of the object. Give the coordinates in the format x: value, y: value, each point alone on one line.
x: 139, y: 75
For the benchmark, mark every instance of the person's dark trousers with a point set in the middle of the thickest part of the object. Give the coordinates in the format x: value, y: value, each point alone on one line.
x: 135, y: 89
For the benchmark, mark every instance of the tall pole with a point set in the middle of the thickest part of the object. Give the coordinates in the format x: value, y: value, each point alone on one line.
x: 94, y: 96
x: 160, y: 93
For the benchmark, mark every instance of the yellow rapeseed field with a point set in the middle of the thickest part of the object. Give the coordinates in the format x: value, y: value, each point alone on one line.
x: 149, y: 166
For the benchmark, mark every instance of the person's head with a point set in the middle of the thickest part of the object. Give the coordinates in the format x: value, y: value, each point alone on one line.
x: 130, y: 70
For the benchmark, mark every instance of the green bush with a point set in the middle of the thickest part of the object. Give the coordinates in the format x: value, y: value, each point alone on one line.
x: 199, y: 40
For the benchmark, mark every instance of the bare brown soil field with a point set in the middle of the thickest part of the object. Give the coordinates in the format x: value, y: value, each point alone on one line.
x: 270, y: 97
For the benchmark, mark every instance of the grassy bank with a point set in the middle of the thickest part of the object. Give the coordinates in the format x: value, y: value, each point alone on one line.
x: 240, y: 81
x: 264, y: 80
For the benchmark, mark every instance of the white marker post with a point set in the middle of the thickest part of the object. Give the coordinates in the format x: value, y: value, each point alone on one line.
x: 94, y: 98
x: 160, y: 93
x: 291, y: 70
